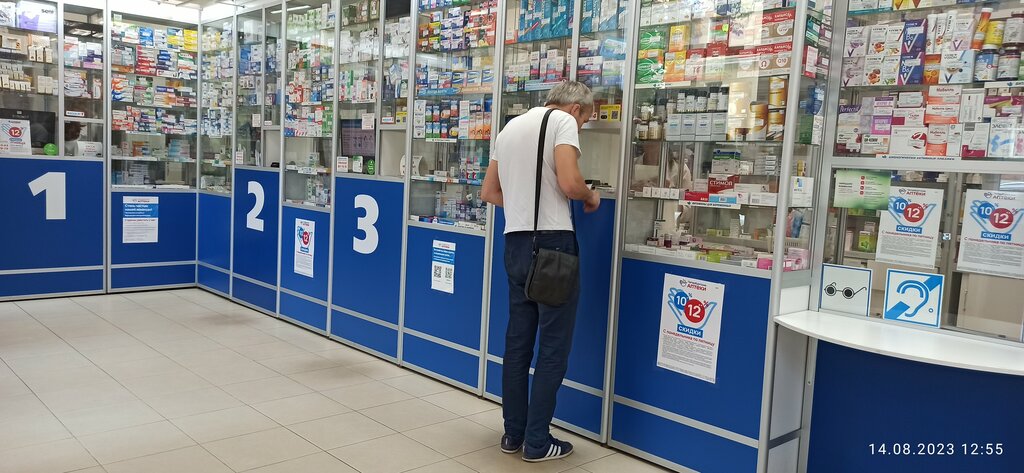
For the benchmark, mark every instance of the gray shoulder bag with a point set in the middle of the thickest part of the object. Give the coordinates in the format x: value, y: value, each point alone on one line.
x: 553, y: 275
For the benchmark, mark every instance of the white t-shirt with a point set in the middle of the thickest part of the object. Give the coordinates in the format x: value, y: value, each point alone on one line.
x: 516, y: 154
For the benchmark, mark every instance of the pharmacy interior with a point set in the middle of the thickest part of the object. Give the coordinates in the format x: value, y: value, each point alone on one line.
x: 805, y: 204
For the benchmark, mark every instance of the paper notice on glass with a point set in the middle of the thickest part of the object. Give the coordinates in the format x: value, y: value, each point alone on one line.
x: 305, y: 247
x: 15, y: 137
x: 857, y: 189
x: 257, y: 119
x: 691, y: 321
x: 909, y: 231
x: 991, y: 241
x: 140, y: 219
x: 368, y: 121
x: 442, y: 267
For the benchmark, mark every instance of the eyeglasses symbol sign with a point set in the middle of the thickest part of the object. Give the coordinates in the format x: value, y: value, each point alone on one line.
x: 847, y: 292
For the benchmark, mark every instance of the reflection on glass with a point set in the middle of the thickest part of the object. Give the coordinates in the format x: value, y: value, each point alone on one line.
x: 358, y: 56
x: 216, y: 122
x: 251, y: 61
x: 29, y: 81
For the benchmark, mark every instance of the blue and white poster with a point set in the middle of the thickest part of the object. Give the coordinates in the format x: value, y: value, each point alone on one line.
x: 908, y: 233
x: 913, y: 297
x: 691, y: 321
x: 305, y: 246
x: 442, y: 267
x: 991, y: 241
x: 140, y: 219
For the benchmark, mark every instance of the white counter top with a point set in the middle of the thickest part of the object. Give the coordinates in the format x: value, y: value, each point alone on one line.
x: 908, y: 343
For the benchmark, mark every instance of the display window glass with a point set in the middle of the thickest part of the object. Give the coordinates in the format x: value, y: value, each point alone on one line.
x: 216, y: 110
x: 29, y: 79
x: 358, y: 86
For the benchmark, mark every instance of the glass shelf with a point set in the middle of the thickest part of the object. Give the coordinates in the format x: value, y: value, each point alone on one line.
x: 216, y: 104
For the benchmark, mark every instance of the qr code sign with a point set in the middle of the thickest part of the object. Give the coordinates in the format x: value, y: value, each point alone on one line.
x: 437, y: 271
x: 449, y: 272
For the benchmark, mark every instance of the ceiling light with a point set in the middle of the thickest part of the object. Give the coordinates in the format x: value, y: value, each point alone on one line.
x: 300, y: 7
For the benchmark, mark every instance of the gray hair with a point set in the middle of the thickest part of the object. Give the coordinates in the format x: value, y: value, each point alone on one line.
x: 569, y: 93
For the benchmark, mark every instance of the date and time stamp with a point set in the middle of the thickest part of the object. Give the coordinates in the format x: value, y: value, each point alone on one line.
x: 936, y: 449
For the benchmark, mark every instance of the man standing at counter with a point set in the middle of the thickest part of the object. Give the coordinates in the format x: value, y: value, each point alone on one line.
x: 538, y: 219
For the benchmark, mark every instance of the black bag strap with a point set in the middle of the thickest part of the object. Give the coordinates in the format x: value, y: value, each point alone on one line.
x: 540, y: 169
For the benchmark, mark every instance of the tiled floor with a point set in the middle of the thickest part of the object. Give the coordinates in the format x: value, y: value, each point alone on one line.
x: 185, y: 381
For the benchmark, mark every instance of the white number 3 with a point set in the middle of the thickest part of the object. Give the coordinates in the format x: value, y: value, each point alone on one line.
x: 54, y: 184
x: 365, y: 224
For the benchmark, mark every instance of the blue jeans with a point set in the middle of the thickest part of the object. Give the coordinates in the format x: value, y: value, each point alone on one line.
x: 529, y: 417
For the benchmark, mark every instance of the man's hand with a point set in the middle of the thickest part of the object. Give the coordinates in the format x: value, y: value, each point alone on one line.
x: 593, y: 202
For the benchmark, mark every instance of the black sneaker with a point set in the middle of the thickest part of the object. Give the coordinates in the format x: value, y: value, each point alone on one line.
x: 554, y: 450
x: 510, y: 445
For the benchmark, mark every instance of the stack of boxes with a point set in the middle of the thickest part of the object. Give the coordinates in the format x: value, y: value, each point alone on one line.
x: 457, y: 27
x: 541, y: 20
x: 452, y: 120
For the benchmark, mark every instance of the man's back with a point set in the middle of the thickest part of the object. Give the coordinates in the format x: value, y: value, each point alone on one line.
x: 516, y: 154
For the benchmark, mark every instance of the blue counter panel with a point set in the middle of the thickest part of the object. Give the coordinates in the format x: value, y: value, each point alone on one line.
x: 304, y: 311
x: 734, y: 402
x: 125, y: 278
x: 37, y: 284
x: 368, y: 247
x: 445, y: 361
x: 365, y: 333
x: 213, y: 279
x: 53, y: 217
x: 681, y: 444
x: 259, y: 296
x: 316, y: 286
x: 453, y: 317
x: 176, y: 230
x: 579, y: 408
x: 862, y: 398
x: 596, y: 238
x: 214, y: 237
x: 257, y: 212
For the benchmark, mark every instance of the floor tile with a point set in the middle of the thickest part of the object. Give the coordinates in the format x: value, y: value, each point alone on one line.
x: 301, y: 408
x: 408, y: 415
x: 619, y: 463
x: 381, y: 455
x: 25, y: 405
x: 11, y: 386
x: 208, y: 358
x: 380, y: 369
x: 106, y: 393
x: 64, y: 378
x: 584, y: 450
x: 102, y: 419
x: 109, y: 355
x: 223, y: 424
x: 460, y: 402
x: 192, y: 347
x: 221, y: 374
x: 340, y: 430
x: 268, y: 389
x: 261, y: 448
x: 168, y: 383
x: 193, y: 459
x: 447, y: 466
x: 30, y: 430
x: 492, y: 460
x: 51, y: 457
x: 417, y: 385
x: 189, y: 403
x: 34, y: 364
x: 346, y: 356
x: 491, y: 419
x: 332, y: 378
x: 362, y: 396
x: 241, y: 337
x: 126, y: 370
x: 455, y: 437
x: 300, y: 363
x: 123, y: 444
x: 94, y: 469
x: 103, y: 341
x: 317, y: 462
x: 266, y: 351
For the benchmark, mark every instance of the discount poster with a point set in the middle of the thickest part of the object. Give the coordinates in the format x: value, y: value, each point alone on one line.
x: 991, y: 241
x: 691, y: 321
x: 908, y: 233
x: 305, y: 247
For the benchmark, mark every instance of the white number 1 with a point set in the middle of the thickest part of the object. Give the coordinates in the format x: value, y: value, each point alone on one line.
x: 54, y: 184
x: 368, y: 244
x: 252, y: 219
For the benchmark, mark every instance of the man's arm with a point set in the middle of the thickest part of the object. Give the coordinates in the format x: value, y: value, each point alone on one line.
x: 491, y: 192
x: 567, y: 168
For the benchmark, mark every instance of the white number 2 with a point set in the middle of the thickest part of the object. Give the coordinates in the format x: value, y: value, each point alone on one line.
x: 368, y: 244
x: 252, y: 219
x: 54, y: 184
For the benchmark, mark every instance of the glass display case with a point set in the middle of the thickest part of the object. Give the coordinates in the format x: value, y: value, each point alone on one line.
x: 924, y: 165
x: 359, y: 47
x: 724, y: 123
x: 537, y: 54
x: 310, y: 100
x: 29, y: 79
x: 453, y: 95
x: 153, y: 94
x: 83, y: 120
x: 249, y: 89
x: 216, y: 107
x: 394, y: 95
